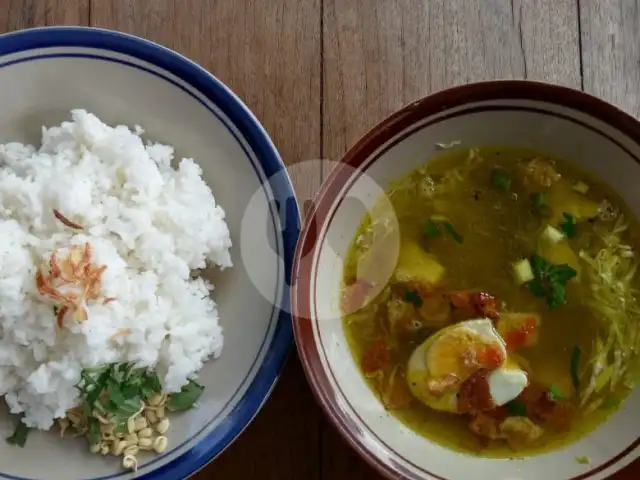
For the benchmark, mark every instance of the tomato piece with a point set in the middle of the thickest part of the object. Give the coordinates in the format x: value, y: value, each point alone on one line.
x: 490, y: 358
x: 520, y: 337
x: 375, y: 358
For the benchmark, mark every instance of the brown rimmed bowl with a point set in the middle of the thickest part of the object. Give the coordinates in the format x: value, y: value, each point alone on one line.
x: 561, y: 121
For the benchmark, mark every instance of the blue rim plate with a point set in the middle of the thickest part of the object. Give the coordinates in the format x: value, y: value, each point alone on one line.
x: 273, y: 169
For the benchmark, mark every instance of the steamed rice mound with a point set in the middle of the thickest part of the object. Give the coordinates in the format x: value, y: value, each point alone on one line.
x: 151, y: 225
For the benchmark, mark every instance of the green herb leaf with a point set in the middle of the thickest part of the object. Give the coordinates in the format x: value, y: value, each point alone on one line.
x: 94, y: 431
x: 500, y: 179
x: 575, y: 365
x: 611, y: 402
x: 554, y: 393
x: 151, y: 385
x: 20, y: 434
x: 516, y: 408
x: 56, y: 309
x: 569, y: 226
x: 550, y: 281
x: 431, y: 229
x: 539, y: 199
x: 452, y: 231
x: 185, y: 399
x: 413, y: 297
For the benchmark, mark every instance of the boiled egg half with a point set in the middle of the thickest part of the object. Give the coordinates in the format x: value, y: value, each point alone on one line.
x: 438, y: 368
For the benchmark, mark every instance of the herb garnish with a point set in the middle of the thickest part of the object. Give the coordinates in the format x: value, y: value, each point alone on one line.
x: 116, y: 391
x: 413, y: 297
x: 452, y: 231
x: 550, y: 281
x: 575, y: 364
x: 500, y: 179
x: 554, y: 393
x: 517, y: 409
x: 185, y: 398
x: 20, y: 434
x: 569, y: 226
x: 431, y: 229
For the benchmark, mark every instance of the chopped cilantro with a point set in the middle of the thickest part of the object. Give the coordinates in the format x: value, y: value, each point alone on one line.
x: 568, y: 227
x: 554, y: 393
x: 500, y: 179
x: 550, y: 281
x: 413, y: 297
x: 452, y: 231
x: 431, y: 229
x: 575, y: 364
x: 20, y: 434
x: 517, y: 409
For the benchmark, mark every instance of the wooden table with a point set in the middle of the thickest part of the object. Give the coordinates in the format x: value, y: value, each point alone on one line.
x: 318, y: 74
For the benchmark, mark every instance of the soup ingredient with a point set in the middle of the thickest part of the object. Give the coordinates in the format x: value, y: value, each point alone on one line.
x: 550, y: 281
x: 102, y: 238
x: 612, y: 273
x: 20, y: 435
x: 439, y: 368
x: 535, y: 375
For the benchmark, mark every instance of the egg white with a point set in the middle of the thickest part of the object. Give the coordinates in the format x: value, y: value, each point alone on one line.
x: 505, y: 383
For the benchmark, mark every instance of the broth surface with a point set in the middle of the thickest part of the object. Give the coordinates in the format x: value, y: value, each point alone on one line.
x: 477, y: 211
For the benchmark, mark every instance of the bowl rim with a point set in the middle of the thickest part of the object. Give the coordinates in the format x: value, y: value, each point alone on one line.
x: 238, y: 114
x: 350, y: 164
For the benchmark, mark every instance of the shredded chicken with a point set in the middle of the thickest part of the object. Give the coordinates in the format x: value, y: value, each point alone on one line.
x: 520, y: 431
x: 71, y: 282
x: 540, y: 172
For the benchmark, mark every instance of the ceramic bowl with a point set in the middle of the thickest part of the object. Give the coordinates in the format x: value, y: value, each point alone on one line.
x: 561, y: 121
x: 44, y: 73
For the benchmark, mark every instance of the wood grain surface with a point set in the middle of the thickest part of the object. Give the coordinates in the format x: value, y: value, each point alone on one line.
x: 318, y: 74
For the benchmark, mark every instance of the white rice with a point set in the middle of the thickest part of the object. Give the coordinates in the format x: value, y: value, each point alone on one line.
x: 149, y: 223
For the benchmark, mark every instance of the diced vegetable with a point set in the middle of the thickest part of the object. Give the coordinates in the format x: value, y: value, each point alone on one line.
x: 417, y: 267
x: 581, y: 187
x: 539, y: 172
x: 375, y: 358
x: 452, y: 231
x: 431, y: 229
x: 518, y: 329
x: 435, y: 310
x: 560, y: 253
x: 550, y: 281
x: 552, y: 235
x: 583, y: 460
x: 20, y: 434
x: 413, y: 297
x: 568, y: 227
x: 555, y: 393
x: 517, y: 408
x: 564, y: 199
x: 575, y: 365
x: 522, y: 271
x: 520, y: 431
x: 500, y: 179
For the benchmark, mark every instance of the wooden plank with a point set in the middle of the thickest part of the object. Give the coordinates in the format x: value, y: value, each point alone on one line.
x: 19, y: 14
x: 269, y: 54
x: 610, y: 39
x: 610, y: 51
x: 380, y: 55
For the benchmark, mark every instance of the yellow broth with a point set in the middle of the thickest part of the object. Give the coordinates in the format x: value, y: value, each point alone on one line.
x: 498, y: 227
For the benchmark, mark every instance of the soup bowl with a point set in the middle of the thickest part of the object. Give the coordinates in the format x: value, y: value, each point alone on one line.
x: 563, y: 122
x: 126, y: 80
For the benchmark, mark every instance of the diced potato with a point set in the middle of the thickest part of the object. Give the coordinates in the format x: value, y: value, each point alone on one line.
x: 520, y: 431
x: 522, y: 271
x: 581, y: 187
x: 564, y: 199
x: 417, y: 267
x: 485, y: 426
x: 552, y: 235
x: 519, y: 329
x: 560, y: 253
